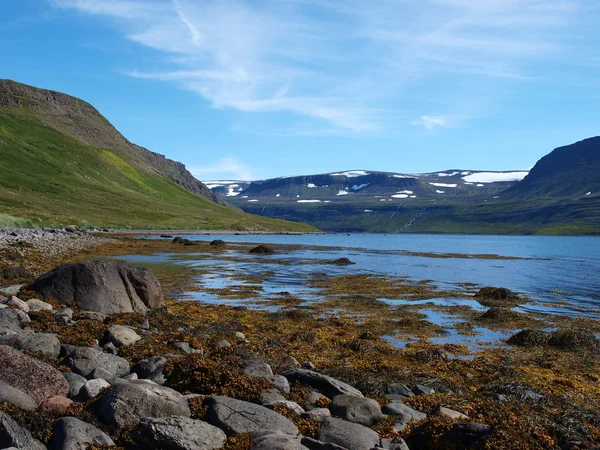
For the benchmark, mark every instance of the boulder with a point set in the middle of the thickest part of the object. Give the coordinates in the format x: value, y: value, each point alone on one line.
x: 16, y: 397
x: 38, y: 305
x: 256, y: 369
x: 280, y: 382
x: 450, y: 413
x: 356, y: 409
x: 177, y: 433
x: 127, y: 402
x: 152, y: 369
x: 70, y: 433
x: 323, y: 383
x: 56, y: 405
x: 103, y: 287
x: 399, y: 389
x: 292, y: 406
x: 36, y: 378
x: 271, y: 395
x: 12, y: 435
x: 17, y: 303
x: 465, y: 435
x: 83, y: 360
x: 419, y: 389
x: 404, y: 414
x: 317, y: 414
x: 65, y: 313
x: 46, y: 344
x: 13, y: 289
x: 75, y: 381
x: 275, y: 440
x: 262, y: 250
x: 92, y: 388
x: 315, y: 444
x: 103, y: 374
x: 9, y: 321
x: 351, y: 436
x: 236, y: 416
x: 121, y: 335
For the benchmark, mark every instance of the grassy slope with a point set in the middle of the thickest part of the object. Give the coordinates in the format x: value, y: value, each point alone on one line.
x: 54, y: 179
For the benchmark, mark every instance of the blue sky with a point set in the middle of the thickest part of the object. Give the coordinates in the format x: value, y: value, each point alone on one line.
x: 264, y: 88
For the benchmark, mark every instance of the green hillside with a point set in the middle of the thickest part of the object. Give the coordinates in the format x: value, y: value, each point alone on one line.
x: 51, y: 176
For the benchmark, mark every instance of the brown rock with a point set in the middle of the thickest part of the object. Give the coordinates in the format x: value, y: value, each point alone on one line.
x: 34, y: 377
x: 56, y: 405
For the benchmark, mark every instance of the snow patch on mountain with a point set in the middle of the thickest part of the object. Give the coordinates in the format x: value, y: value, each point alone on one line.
x: 451, y: 174
x: 311, y: 185
x: 494, y: 177
x: 350, y: 174
x: 440, y: 192
x: 404, y: 192
x: 342, y: 193
x: 399, y: 196
x: 308, y: 201
x: 443, y: 185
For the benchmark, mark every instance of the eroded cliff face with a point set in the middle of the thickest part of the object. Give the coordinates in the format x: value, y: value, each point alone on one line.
x: 77, y: 118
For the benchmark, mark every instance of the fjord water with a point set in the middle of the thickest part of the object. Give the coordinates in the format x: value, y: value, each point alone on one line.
x: 559, y: 273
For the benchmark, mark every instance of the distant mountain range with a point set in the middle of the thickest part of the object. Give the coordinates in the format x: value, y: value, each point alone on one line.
x: 64, y: 163
x: 560, y: 195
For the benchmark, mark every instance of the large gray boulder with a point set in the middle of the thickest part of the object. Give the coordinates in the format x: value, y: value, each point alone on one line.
x: 70, y: 433
x: 356, y: 409
x: 351, y: 436
x: 12, y: 435
x: 75, y: 381
x: 236, y: 416
x: 9, y: 321
x: 404, y: 414
x: 121, y: 335
x: 16, y: 397
x: 275, y: 440
x: 83, y: 360
x: 127, y: 402
x: 152, y: 368
x: 45, y: 343
x: 323, y: 383
x: 103, y: 287
x: 32, y: 376
x: 177, y: 433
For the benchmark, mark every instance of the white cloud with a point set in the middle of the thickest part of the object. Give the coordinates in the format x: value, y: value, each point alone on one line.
x: 346, y: 65
x: 225, y: 168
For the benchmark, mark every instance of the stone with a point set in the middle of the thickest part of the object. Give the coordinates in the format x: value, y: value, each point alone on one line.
x: 127, y: 402
x: 16, y: 397
x: 394, y: 444
x: 399, y: 389
x: 91, y: 315
x: 291, y: 362
x: 92, y: 388
x: 466, y: 434
x: 314, y: 444
x: 56, y: 405
x: 101, y: 286
x: 293, y: 406
x: 317, y: 414
x: 274, y: 440
x: 121, y: 335
x: 315, y: 399
x: 12, y: 435
x: 8, y: 317
x: 356, y: 409
x: 419, y: 389
x: 270, y: 396
x: 36, y: 378
x: 404, y: 414
x: 75, y: 381
x: 83, y: 360
x: 182, y: 347
x: 352, y: 436
x: 307, y: 365
x: 17, y: 303
x: 236, y: 416
x: 177, y: 433
x: 222, y: 344
x: 101, y: 373
x: 38, y: 305
x: 131, y: 377
x: 239, y: 336
x: 323, y: 383
x: 70, y: 433
x: 110, y: 348
x: 152, y: 369
x: 255, y: 369
x: 46, y: 344
x: 280, y: 382
x: 65, y: 313
x: 450, y: 413
x: 22, y: 315
x: 13, y: 289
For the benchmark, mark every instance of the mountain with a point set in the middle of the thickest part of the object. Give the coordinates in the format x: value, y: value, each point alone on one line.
x: 63, y: 163
x: 560, y: 195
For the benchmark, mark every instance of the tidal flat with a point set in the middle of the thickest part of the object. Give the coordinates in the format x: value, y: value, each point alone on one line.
x: 538, y: 388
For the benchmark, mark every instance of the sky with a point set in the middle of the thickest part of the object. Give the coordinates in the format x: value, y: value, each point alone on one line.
x: 252, y: 89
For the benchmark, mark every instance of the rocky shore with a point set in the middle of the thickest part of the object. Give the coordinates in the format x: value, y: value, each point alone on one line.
x: 94, y: 355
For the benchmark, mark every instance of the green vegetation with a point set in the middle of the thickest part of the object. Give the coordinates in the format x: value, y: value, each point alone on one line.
x: 51, y: 178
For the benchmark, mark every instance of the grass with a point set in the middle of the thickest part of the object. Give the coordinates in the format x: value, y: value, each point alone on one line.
x: 54, y: 179
x: 15, y: 222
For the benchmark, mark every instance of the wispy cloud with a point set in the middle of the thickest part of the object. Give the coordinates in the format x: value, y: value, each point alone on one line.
x: 349, y: 64
x: 225, y: 168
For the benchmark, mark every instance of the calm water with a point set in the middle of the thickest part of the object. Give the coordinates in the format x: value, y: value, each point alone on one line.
x: 562, y: 276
